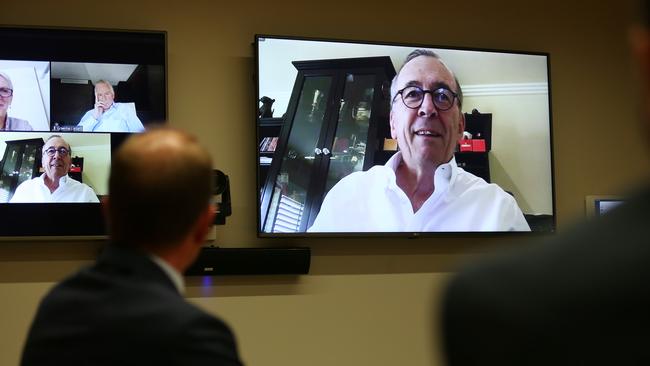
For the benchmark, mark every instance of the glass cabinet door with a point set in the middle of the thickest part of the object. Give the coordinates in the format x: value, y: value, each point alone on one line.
x: 289, y: 195
x: 349, y: 146
x: 9, y: 174
x: 28, y: 162
x: 21, y: 162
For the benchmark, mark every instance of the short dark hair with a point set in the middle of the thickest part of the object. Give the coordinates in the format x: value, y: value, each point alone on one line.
x: 160, y: 182
x: 427, y: 53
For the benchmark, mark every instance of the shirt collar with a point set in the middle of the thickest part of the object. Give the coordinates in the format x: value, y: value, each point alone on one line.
x: 172, y: 273
x: 62, y: 180
x: 445, y: 173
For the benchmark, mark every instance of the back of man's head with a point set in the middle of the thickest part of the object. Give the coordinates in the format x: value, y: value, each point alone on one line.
x: 160, y: 183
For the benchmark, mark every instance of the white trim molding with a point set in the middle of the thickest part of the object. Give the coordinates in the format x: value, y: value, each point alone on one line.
x: 504, y: 89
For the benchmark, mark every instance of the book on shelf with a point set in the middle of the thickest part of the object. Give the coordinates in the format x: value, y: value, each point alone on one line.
x: 390, y: 145
x: 263, y: 143
x: 269, y: 144
x: 273, y: 144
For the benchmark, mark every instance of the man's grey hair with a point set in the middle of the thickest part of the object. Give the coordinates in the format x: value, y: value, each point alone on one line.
x: 427, y: 53
x: 59, y: 137
x: 102, y: 81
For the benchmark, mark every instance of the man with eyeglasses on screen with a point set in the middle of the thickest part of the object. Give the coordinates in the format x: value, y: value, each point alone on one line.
x: 420, y: 188
x: 54, y: 185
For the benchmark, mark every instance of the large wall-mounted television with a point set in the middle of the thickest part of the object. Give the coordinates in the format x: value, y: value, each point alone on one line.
x: 51, y: 82
x: 334, y: 136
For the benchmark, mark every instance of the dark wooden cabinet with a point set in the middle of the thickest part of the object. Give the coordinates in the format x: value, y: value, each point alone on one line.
x: 21, y: 162
x: 477, y: 163
x: 76, y: 169
x: 335, y: 124
x: 268, y: 135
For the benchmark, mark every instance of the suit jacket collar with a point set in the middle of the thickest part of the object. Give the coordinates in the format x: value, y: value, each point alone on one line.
x: 128, y: 262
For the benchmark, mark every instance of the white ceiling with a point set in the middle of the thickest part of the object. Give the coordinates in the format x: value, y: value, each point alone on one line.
x: 80, y: 72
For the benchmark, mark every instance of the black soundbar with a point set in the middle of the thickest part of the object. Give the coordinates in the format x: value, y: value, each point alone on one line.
x: 251, y: 261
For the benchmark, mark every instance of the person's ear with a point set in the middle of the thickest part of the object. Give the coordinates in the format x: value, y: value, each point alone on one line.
x: 393, y: 130
x: 204, y: 223
x: 461, y: 125
x: 639, y: 38
x: 105, y: 202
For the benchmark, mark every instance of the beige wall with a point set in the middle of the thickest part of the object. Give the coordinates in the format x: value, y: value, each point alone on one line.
x: 520, y: 159
x: 366, y: 301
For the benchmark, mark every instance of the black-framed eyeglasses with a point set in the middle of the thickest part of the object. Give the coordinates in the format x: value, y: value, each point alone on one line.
x: 413, y: 96
x: 6, y: 92
x: 50, y: 151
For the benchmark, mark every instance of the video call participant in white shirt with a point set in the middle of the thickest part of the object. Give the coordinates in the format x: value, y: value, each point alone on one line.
x: 420, y: 188
x: 108, y: 115
x: 54, y: 185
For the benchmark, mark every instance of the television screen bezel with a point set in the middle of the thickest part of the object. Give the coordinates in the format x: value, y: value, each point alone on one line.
x: 403, y: 234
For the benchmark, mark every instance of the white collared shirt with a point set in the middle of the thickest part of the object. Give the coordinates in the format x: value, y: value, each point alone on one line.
x: 69, y: 190
x: 172, y: 273
x: 372, y: 201
x: 120, y: 117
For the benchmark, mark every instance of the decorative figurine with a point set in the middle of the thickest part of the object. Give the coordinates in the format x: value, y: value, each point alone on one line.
x: 265, y: 110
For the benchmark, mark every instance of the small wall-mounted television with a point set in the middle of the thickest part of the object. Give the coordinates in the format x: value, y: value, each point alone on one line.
x: 325, y: 140
x: 596, y: 206
x: 47, y: 87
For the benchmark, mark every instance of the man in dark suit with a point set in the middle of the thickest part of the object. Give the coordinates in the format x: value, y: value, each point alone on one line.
x: 127, y: 309
x: 582, y: 298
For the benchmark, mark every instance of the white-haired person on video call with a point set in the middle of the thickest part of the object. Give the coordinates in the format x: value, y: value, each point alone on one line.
x: 420, y: 188
x: 6, y: 97
x: 108, y: 115
x: 54, y: 185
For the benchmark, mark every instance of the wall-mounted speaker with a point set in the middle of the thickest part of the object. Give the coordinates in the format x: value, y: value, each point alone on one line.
x: 251, y: 261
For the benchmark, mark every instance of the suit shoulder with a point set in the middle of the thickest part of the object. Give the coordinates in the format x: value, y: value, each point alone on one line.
x: 201, y: 338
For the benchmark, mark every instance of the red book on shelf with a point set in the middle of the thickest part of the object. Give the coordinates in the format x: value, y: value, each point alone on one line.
x: 465, y: 145
x: 478, y: 145
x: 273, y: 144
